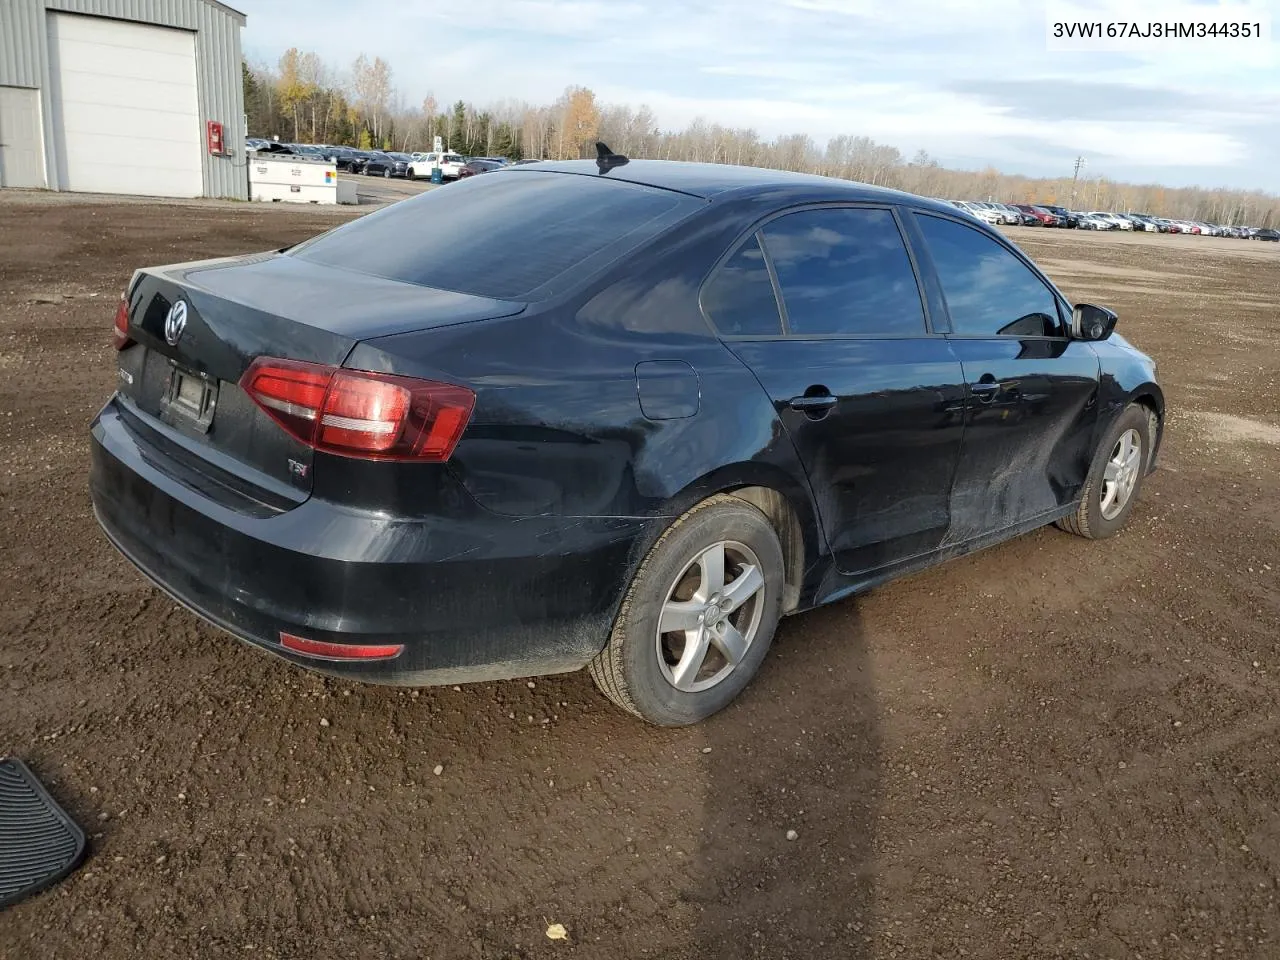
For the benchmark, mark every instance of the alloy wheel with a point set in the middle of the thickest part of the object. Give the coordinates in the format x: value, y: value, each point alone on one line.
x: 1121, y: 474
x: 710, y: 617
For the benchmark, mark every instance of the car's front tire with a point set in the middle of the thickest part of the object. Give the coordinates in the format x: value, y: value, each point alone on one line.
x: 1115, y: 478
x: 698, y: 618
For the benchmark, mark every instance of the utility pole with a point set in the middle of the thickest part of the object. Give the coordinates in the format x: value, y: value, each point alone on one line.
x: 1075, y: 177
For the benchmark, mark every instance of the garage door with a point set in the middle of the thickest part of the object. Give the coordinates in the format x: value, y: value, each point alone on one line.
x: 124, y: 107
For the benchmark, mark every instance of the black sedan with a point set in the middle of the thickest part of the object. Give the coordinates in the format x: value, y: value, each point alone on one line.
x: 346, y: 159
x: 614, y: 415
x: 480, y: 165
x: 387, y: 164
x: 1266, y: 234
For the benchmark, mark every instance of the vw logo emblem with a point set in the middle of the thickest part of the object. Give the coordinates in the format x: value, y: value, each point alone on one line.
x: 175, y: 323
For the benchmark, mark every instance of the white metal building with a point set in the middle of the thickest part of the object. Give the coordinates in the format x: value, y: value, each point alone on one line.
x: 122, y: 96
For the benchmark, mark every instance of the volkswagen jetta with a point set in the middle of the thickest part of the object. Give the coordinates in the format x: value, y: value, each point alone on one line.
x: 615, y: 415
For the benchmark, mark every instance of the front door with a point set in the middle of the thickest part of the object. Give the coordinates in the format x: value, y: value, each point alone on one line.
x: 871, y: 400
x: 1032, y: 392
x: 21, y: 138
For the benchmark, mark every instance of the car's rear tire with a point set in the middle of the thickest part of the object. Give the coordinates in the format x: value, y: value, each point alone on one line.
x: 723, y: 622
x: 1115, y: 477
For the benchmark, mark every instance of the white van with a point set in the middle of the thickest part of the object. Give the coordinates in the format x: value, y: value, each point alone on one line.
x: 451, y: 165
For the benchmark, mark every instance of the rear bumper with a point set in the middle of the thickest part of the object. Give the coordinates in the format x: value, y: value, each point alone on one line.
x: 477, y: 597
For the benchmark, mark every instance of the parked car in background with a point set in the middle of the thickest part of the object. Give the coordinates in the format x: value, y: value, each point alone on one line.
x: 1013, y: 216
x: 527, y: 160
x: 1118, y: 222
x: 975, y: 209
x: 1266, y: 234
x: 1043, y: 216
x: 347, y: 159
x: 388, y: 164
x: 1065, y: 217
x: 474, y: 168
x: 376, y: 456
x: 360, y: 159
x: 422, y: 163
x: 1008, y: 217
x: 1089, y: 221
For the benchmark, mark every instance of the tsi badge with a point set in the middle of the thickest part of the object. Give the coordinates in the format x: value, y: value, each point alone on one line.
x: 175, y: 322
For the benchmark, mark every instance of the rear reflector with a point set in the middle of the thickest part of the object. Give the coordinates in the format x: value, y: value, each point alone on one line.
x: 358, y: 413
x: 120, y: 330
x: 340, y: 651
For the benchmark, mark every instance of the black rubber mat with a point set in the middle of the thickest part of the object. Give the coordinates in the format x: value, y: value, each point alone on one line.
x: 39, y: 843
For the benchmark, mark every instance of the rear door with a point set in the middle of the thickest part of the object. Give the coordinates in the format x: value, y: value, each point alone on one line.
x: 871, y: 398
x: 1032, y: 391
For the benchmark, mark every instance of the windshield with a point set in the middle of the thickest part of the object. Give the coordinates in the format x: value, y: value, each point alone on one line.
x: 506, y: 237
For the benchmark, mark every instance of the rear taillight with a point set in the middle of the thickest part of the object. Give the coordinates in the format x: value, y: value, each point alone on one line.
x: 358, y: 413
x: 120, y: 330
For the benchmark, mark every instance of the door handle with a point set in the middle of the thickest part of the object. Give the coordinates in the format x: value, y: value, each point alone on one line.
x: 984, y: 389
x: 809, y: 404
x: 813, y: 404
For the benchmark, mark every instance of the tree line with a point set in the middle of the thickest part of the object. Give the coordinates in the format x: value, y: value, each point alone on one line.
x: 302, y: 99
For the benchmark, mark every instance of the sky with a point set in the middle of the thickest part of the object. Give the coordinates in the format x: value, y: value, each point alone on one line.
x: 973, y: 82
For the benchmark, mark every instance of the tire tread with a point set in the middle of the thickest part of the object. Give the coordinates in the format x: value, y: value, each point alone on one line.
x: 1078, y: 522
x: 605, y: 668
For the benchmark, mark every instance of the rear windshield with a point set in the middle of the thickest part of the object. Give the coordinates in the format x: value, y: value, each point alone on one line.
x: 509, y: 236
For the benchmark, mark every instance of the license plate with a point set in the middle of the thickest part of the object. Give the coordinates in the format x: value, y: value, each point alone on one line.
x: 192, y: 397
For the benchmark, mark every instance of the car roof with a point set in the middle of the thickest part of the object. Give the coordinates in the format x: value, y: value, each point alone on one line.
x: 719, y: 180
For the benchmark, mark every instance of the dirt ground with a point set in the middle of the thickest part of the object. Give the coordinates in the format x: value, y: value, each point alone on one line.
x: 1054, y: 748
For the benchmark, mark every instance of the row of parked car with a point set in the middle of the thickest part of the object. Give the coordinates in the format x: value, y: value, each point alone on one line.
x: 385, y: 163
x: 1046, y: 215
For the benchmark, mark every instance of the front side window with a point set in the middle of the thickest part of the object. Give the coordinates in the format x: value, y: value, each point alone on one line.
x: 845, y: 272
x: 740, y: 298
x: 989, y: 291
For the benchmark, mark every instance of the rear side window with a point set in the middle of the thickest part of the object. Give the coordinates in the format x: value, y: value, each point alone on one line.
x: 740, y: 298
x: 509, y: 236
x: 989, y: 291
x: 844, y: 271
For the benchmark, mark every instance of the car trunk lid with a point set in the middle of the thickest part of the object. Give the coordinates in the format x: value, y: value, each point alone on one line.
x: 198, y: 326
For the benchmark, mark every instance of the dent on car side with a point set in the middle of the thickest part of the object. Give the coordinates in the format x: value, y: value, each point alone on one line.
x: 1129, y: 376
x: 560, y: 431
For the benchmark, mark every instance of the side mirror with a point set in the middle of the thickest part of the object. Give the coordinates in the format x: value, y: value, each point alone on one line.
x: 1089, y: 322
